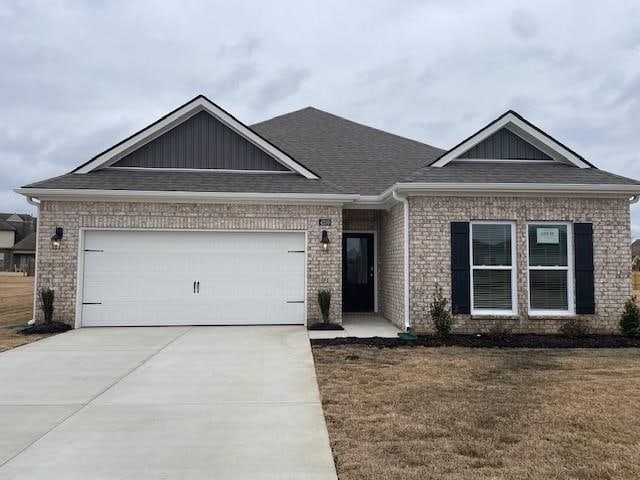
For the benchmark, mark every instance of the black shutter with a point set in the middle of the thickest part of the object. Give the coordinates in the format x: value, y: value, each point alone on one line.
x: 460, y: 280
x: 583, y: 246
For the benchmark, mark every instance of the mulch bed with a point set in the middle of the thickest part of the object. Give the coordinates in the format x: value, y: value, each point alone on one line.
x: 39, y: 328
x: 487, y: 341
x: 325, y: 326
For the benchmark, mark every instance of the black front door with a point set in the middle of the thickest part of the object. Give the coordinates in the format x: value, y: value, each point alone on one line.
x: 357, y: 272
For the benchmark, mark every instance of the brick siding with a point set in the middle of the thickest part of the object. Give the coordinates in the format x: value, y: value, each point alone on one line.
x: 430, y: 251
x: 58, y: 268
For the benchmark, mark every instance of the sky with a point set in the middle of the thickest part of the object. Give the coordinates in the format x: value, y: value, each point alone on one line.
x: 77, y: 77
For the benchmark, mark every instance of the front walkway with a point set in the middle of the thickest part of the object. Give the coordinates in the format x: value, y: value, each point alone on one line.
x: 163, y: 402
x: 360, y: 325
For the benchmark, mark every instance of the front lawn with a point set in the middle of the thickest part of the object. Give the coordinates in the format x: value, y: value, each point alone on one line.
x: 456, y: 413
x: 16, y: 309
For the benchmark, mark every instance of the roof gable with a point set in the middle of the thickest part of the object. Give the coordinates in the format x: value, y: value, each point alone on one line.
x: 201, y: 142
x: 178, y: 117
x: 504, y: 145
x: 515, y: 130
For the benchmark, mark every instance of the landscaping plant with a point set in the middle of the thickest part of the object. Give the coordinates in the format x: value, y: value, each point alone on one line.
x: 440, y: 315
x: 324, y: 302
x: 630, y: 320
x: 46, y: 296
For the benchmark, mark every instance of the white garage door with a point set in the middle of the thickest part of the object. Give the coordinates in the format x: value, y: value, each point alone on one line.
x: 193, y: 278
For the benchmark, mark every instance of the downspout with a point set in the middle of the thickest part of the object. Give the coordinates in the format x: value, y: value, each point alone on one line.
x: 31, y: 201
x: 405, y: 206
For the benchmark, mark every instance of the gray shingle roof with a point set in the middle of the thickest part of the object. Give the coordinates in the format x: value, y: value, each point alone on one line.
x: 348, y: 157
x: 27, y: 243
x: 6, y: 226
x: 360, y: 159
x: 481, y: 172
x: 205, y: 181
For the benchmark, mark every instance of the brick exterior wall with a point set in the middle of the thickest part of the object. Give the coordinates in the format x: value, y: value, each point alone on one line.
x: 430, y: 250
x: 58, y: 268
x: 391, y: 265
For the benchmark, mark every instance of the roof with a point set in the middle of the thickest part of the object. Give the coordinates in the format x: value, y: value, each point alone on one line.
x: 487, y: 172
x: 205, y: 181
x: 359, y: 158
x: 352, y: 159
x: 27, y: 243
x: 6, y: 226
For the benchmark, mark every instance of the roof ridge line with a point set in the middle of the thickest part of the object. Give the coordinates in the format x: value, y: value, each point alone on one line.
x: 344, y: 119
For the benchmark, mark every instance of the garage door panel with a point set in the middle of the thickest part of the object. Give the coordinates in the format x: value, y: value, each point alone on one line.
x: 146, y: 278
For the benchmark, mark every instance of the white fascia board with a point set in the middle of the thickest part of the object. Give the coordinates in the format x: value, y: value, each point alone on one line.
x: 537, y: 138
x: 181, y: 115
x: 182, y: 197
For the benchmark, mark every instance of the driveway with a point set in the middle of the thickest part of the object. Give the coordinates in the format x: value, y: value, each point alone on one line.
x: 163, y: 403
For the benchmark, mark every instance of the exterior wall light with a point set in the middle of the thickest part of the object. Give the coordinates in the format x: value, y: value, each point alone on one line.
x: 56, y: 239
x: 325, y: 240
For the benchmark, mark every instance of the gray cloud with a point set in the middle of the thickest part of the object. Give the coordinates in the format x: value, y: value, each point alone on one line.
x: 284, y: 84
x: 523, y: 24
x: 83, y: 75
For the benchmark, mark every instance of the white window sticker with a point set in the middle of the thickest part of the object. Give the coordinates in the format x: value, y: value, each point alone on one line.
x: 547, y: 235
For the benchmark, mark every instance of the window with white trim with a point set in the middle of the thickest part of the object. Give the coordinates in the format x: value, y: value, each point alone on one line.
x: 493, y: 260
x: 549, y: 267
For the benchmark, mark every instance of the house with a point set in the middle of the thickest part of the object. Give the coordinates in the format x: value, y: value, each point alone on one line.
x: 635, y: 255
x: 201, y: 219
x: 17, y: 243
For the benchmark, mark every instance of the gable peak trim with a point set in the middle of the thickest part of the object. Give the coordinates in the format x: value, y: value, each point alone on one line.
x: 180, y: 115
x: 518, y: 125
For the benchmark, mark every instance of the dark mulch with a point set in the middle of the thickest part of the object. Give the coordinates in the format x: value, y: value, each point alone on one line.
x: 487, y: 341
x: 39, y: 328
x: 325, y: 326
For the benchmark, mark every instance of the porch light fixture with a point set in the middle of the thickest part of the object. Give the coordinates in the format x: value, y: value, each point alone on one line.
x: 56, y: 239
x: 325, y: 240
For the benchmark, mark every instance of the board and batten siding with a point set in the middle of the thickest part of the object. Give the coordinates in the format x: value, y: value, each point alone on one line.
x: 504, y: 145
x: 201, y: 142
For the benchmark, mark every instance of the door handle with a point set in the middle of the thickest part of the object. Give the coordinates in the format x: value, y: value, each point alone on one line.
x: 194, y: 286
x: 198, y: 287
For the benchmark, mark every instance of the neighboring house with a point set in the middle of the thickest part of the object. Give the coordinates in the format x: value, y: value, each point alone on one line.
x: 635, y: 255
x: 200, y: 219
x: 17, y: 243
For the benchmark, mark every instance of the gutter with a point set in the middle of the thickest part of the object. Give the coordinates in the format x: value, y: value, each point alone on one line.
x: 405, y: 204
x: 182, y: 196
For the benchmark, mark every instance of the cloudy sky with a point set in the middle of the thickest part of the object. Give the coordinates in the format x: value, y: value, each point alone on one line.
x: 76, y: 77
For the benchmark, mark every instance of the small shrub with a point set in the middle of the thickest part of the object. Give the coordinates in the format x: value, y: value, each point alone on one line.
x: 500, y: 331
x: 324, y: 302
x: 630, y: 320
x: 574, y: 328
x: 440, y: 315
x: 46, y: 296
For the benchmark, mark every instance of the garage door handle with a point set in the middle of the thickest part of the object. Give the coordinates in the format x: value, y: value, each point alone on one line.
x: 198, y: 287
x: 194, y: 286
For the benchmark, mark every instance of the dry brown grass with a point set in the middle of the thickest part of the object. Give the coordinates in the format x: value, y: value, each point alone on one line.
x: 16, y: 306
x: 453, y: 413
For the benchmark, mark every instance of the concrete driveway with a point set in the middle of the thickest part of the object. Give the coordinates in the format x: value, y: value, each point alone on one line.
x: 163, y: 403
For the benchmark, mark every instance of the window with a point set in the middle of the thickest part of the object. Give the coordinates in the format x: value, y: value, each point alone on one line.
x: 550, y: 278
x: 493, y: 283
